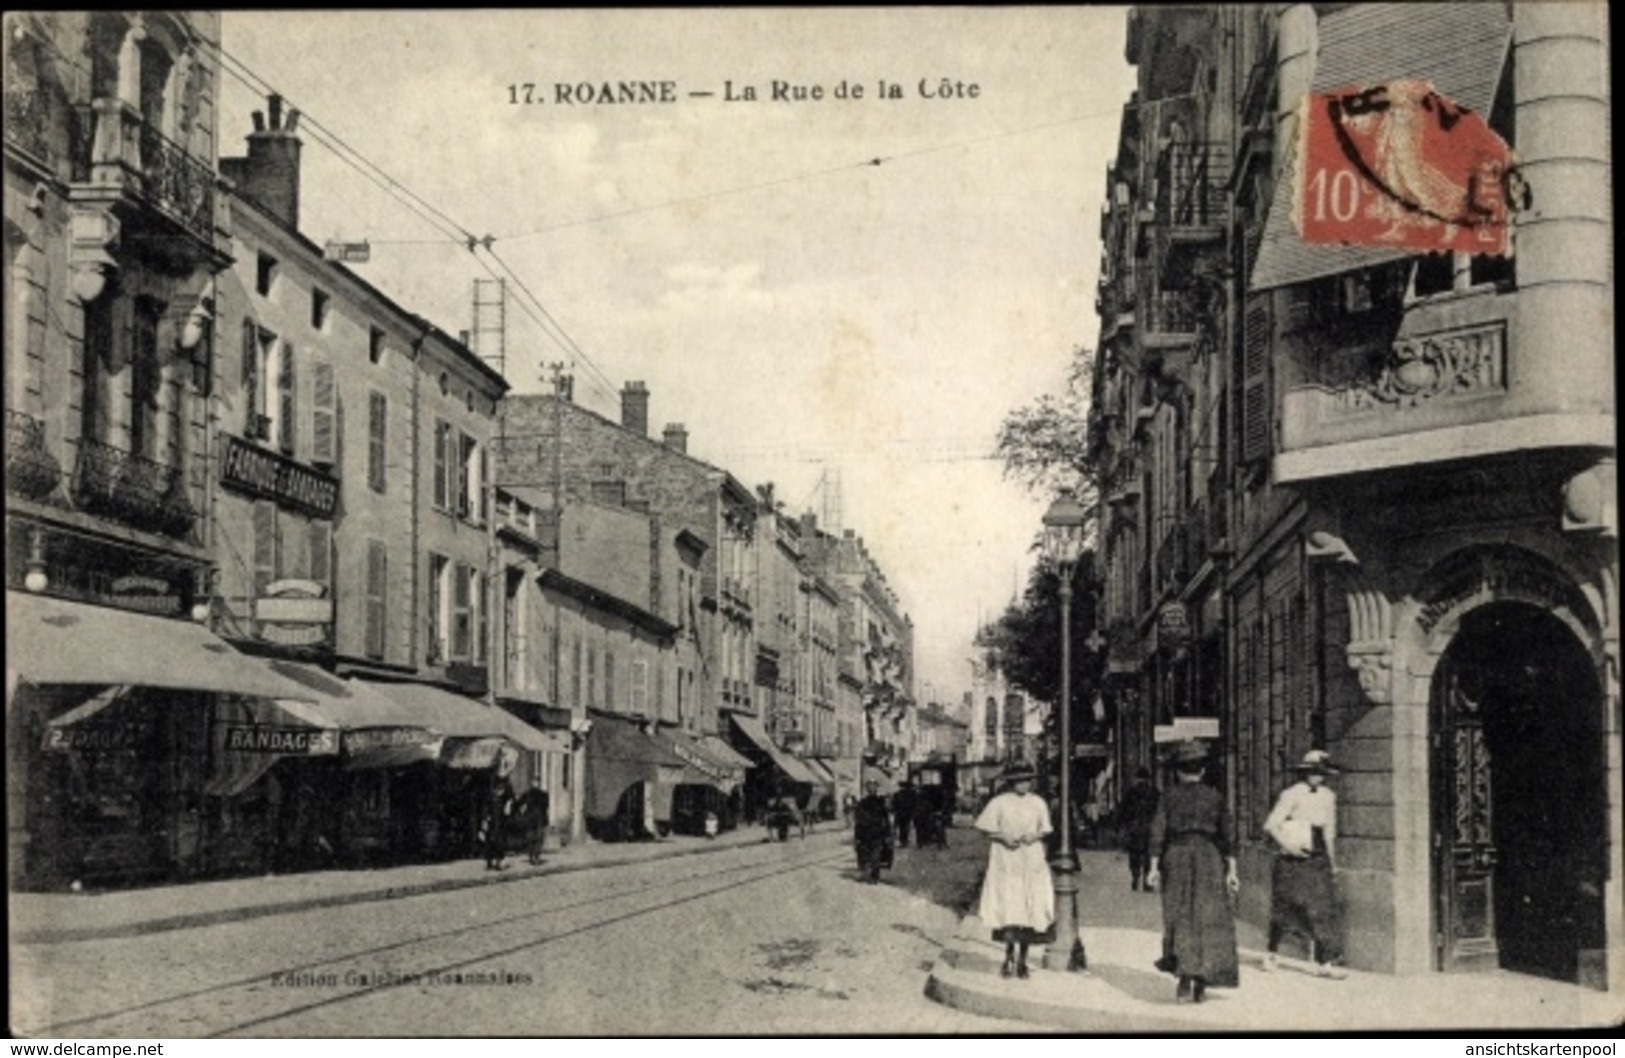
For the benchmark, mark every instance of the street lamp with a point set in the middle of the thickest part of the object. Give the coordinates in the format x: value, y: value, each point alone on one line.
x: 1063, y: 545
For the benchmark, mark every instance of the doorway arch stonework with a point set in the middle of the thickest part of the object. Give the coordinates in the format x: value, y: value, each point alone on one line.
x: 1416, y: 623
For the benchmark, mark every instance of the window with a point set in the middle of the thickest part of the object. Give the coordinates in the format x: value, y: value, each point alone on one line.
x: 265, y: 274
x: 145, y: 381
x: 319, y: 302
x: 439, y: 613
x: 377, y: 591
x: 609, y: 678
x: 468, y: 504
x: 442, y: 480
x: 321, y: 552
x: 375, y: 346
x: 377, y: 432
x: 592, y: 675
x: 575, y: 670
x: 640, y: 685
x: 267, y: 549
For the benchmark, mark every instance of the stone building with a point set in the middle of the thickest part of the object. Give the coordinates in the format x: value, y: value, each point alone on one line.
x: 1362, y: 497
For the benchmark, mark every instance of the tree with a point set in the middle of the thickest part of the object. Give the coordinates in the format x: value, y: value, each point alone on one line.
x: 1042, y: 444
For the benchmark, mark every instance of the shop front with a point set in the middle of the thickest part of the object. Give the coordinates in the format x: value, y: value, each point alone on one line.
x: 631, y: 780
x: 115, y: 729
x: 709, y: 786
x: 774, y: 772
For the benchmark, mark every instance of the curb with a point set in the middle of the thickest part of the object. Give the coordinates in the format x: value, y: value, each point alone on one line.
x: 245, y: 912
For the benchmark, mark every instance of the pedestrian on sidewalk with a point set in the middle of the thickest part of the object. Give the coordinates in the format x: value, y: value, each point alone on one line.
x: 1138, y: 809
x: 1018, y: 896
x: 1303, y: 888
x: 902, y: 806
x: 1191, y: 837
x: 498, y: 808
x: 533, y: 810
x: 872, y: 833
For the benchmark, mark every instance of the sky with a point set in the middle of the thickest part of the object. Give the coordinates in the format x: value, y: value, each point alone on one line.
x: 821, y: 289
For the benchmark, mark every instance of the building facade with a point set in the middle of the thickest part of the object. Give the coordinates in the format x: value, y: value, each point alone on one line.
x: 1362, y: 498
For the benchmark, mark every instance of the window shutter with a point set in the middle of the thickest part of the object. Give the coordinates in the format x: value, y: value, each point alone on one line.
x: 609, y: 678
x: 377, y: 571
x: 440, y: 490
x: 465, y: 467
x: 377, y: 422
x: 437, y: 602
x: 461, y: 616
x: 482, y: 623
x: 1255, y: 384
x: 321, y: 553
x: 484, y: 497
x: 286, y: 426
x: 640, y: 686
x: 323, y: 414
x: 251, y: 375
x: 265, y: 546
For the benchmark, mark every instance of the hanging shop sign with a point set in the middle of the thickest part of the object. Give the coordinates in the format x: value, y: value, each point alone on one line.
x: 1397, y: 165
x: 143, y: 594
x: 294, y: 613
x: 1173, y: 625
x: 95, y: 738
x: 249, y: 468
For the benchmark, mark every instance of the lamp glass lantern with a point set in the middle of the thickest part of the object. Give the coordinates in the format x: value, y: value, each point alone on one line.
x: 1063, y: 529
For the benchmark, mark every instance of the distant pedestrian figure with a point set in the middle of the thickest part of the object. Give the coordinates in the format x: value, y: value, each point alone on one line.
x: 872, y: 834
x: 533, y: 811
x: 1303, y: 890
x: 781, y: 815
x: 1018, y: 896
x: 1193, y: 861
x: 903, y: 803
x: 498, y: 809
x: 1139, y: 807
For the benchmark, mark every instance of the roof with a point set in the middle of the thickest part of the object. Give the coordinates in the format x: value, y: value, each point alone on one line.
x: 1460, y: 48
x: 603, y: 600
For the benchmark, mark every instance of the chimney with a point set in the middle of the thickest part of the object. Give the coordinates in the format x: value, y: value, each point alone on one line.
x: 676, y: 437
x: 635, y: 408
x: 270, y: 173
x: 809, y: 525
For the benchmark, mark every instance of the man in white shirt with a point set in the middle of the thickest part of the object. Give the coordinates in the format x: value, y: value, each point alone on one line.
x: 1303, y: 895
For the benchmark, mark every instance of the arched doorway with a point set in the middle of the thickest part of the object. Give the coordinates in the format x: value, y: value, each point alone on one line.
x: 1520, y: 809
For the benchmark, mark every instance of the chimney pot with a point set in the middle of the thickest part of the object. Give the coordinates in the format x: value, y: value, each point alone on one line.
x: 276, y: 111
x: 259, y: 121
x: 676, y: 437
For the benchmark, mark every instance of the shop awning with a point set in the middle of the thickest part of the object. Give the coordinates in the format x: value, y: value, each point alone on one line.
x: 620, y: 753
x: 376, y: 730
x: 1460, y: 48
x: 56, y: 641
x: 459, y: 717
x: 702, y: 766
x: 723, y: 753
x: 751, y: 729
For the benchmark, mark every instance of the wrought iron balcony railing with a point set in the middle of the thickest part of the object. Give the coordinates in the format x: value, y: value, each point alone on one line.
x: 115, y: 146
x: 31, y: 470
x: 1171, y: 312
x: 1191, y: 180
x: 26, y: 125
x: 133, y: 489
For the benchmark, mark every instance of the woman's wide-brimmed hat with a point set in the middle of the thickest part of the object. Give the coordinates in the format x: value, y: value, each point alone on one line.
x: 1316, y: 760
x: 1018, y: 773
x: 1185, y: 754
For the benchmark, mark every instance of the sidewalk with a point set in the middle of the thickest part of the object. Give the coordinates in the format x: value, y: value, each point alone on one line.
x: 1123, y: 992
x: 51, y: 918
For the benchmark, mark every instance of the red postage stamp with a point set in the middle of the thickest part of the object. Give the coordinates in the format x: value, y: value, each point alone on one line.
x: 1399, y: 165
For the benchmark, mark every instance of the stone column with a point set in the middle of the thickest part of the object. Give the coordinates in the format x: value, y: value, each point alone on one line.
x: 1297, y: 41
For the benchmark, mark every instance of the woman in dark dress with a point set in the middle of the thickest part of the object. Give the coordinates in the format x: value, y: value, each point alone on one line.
x: 1193, y: 862
x: 872, y: 832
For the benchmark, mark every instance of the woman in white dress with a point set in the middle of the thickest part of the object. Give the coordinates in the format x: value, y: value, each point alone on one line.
x: 1018, y: 897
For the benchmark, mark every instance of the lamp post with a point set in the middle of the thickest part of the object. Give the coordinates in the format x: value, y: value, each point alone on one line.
x: 1063, y: 544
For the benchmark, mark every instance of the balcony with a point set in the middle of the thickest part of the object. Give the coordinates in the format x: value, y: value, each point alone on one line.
x: 1452, y: 384
x: 164, y: 196
x: 27, y: 128
x: 140, y: 492
x: 31, y: 470
x: 1171, y: 320
x: 1192, y: 206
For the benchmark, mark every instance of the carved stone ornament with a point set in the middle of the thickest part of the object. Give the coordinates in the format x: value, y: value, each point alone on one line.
x: 1373, y: 665
x: 1419, y: 369
x: 1371, y: 640
x: 94, y: 233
